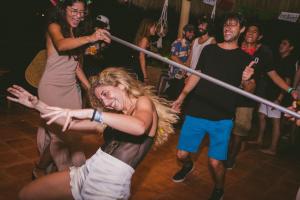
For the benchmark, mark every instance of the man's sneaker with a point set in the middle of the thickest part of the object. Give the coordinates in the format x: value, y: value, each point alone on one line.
x: 183, y: 172
x: 217, y: 194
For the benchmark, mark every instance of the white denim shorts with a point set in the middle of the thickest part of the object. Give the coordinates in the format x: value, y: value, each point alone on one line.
x: 269, y: 111
x: 103, y: 177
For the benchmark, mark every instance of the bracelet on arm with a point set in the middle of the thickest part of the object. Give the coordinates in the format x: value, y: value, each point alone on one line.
x: 93, y: 116
x: 98, y: 117
x: 290, y: 90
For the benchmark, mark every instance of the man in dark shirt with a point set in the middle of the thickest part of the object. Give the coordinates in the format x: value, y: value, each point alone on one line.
x: 285, y: 67
x: 264, y: 71
x: 212, y: 107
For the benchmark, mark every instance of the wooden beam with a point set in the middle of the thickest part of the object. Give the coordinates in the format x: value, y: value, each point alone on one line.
x: 184, y: 15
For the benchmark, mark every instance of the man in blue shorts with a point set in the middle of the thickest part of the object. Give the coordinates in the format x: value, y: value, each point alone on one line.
x: 211, y: 107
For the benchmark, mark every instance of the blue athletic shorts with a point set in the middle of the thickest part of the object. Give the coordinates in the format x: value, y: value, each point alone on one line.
x: 194, y: 130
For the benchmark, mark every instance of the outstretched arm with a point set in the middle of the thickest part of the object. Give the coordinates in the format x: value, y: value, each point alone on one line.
x: 63, y: 44
x: 23, y: 97
x: 281, y: 83
x: 136, y: 124
x: 188, y: 87
x: 293, y: 107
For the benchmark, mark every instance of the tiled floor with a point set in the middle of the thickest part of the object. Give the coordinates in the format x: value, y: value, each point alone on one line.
x: 256, y: 176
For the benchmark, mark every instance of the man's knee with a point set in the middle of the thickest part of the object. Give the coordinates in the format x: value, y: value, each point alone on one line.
x: 215, y: 164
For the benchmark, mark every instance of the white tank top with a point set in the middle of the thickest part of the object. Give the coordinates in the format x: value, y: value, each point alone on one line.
x: 196, y: 51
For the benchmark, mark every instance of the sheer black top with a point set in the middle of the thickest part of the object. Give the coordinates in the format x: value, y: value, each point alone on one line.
x: 127, y: 148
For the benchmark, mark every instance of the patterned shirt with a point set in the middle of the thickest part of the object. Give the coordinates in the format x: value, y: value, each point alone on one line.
x: 181, y: 49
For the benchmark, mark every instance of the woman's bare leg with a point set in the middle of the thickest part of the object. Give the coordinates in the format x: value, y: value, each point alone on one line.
x: 60, y: 152
x: 43, y: 144
x: 53, y: 186
x: 41, y: 166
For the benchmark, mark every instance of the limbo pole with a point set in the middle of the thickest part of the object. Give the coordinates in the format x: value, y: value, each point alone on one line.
x: 208, y: 78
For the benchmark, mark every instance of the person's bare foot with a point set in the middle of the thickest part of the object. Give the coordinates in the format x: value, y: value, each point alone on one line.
x: 268, y: 151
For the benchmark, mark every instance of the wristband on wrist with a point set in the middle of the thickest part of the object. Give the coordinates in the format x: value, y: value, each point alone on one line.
x: 98, y: 117
x: 93, y: 116
x: 290, y: 90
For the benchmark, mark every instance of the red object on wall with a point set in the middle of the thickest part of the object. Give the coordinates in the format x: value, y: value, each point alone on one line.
x: 225, y: 4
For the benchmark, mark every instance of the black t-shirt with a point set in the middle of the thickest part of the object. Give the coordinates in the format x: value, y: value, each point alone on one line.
x: 209, y: 100
x: 265, y: 64
x: 285, y: 67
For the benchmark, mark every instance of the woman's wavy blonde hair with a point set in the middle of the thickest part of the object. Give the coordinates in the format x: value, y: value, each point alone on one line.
x: 114, y: 76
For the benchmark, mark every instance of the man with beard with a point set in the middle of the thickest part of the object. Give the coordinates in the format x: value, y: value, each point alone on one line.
x: 211, y: 107
x: 180, y: 51
x: 264, y: 71
x: 204, y: 38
